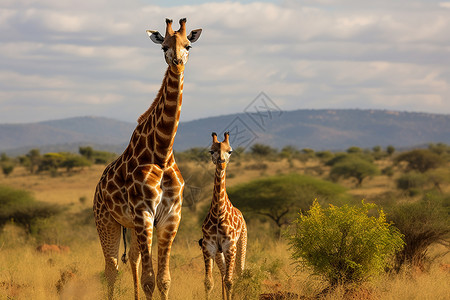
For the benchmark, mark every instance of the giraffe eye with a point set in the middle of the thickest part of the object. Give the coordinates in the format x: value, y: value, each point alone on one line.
x: 188, y: 47
x: 165, y: 48
x: 231, y: 151
x: 211, y: 152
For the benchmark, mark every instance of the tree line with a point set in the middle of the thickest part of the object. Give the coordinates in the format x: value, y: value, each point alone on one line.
x: 52, y: 162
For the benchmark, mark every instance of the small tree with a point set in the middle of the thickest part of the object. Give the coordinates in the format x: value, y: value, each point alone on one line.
x: 280, y: 197
x: 420, y: 160
x: 262, y: 150
x: 6, y: 164
x: 34, y: 159
x: 411, y: 180
x: 390, y: 150
x: 344, y: 244
x: 20, y: 207
x: 7, y: 168
x: 87, y: 152
x: 50, y: 162
x: 71, y: 161
x: 354, y: 149
x: 423, y: 223
x: 4, y: 158
x: 355, y: 167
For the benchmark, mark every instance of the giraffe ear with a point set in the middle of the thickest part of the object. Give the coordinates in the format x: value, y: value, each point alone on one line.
x: 214, y: 136
x: 226, y: 135
x: 155, y: 36
x: 194, y: 35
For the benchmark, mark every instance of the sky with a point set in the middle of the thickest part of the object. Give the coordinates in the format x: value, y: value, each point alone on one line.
x: 61, y: 59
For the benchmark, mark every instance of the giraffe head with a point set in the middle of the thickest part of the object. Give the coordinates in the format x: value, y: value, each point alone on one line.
x: 175, y: 44
x: 221, y: 151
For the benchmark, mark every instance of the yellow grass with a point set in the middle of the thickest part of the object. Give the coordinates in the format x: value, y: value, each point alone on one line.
x: 28, y: 274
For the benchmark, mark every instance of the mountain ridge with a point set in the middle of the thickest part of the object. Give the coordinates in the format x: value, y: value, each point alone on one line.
x: 319, y: 129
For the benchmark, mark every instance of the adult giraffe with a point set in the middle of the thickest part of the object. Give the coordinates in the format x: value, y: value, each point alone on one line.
x: 142, y: 189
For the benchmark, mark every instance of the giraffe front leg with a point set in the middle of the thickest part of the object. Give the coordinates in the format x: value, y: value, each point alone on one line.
x: 230, y: 260
x: 135, y: 257
x: 144, y: 233
x: 167, y: 221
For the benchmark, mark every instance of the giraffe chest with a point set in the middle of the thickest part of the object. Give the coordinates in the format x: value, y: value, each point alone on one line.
x: 227, y: 225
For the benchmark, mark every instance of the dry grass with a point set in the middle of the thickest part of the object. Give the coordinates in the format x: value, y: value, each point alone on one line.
x: 27, y: 274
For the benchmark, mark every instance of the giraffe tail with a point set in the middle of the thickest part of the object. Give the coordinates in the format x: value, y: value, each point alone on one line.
x: 124, y: 235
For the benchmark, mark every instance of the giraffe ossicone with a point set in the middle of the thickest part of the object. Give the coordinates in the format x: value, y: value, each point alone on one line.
x: 224, y: 228
x: 142, y: 189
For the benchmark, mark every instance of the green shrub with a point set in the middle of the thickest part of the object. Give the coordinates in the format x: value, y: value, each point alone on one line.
x: 388, y: 171
x: 344, y: 244
x: 7, y: 168
x: 420, y: 160
x: 411, y: 180
x: 423, y: 224
x: 262, y: 150
x: 248, y: 285
x: 103, y: 157
x: 353, y: 166
x: 324, y: 155
x: 19, y: 207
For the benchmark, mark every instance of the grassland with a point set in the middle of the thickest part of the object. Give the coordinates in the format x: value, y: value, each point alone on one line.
x: 28, y: 274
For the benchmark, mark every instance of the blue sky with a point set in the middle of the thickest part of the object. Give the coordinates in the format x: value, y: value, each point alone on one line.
x: 62, y: 59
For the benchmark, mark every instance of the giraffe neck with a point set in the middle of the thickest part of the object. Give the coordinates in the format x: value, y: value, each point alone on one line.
x: 220, y: 201
x: 158, y: 126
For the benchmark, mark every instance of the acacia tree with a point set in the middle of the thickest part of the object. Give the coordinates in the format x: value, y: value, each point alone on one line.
x: 34, y: 159
x: 353, y: 167
x: 424, y: 223
x: 420, y: 160
x: 6, y: 164
x: 279, y: 198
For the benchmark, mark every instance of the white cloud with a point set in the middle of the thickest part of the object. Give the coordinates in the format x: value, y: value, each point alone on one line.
x: 69, y: 58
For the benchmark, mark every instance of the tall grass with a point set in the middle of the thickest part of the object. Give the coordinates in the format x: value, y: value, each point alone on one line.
x: 28, y: 274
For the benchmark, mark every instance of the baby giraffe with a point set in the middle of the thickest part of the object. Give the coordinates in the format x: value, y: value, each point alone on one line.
x: 224, y: 229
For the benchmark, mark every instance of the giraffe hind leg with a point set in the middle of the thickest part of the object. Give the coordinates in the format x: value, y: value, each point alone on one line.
x: 109, y: 232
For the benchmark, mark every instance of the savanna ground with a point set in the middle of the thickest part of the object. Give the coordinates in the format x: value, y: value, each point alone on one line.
x: 26, y: 273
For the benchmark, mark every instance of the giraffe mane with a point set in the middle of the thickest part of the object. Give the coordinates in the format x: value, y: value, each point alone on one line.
x: 145, y: 115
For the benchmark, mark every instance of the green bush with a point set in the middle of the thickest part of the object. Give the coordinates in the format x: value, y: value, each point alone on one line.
x: 324, y: 155
x: 353, y: 166
x: 411, y: 180
x: 248, y: 285
x: 420, y: 160
x: 423, y: 223
x: 262, y: 150
x: 344, y: 244
x: 19, y: 207
x: 388, y: 171
x: 7, y: 168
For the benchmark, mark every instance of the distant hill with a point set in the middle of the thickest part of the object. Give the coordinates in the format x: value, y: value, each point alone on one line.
x: 64, y: 135
x: 316, y: 129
